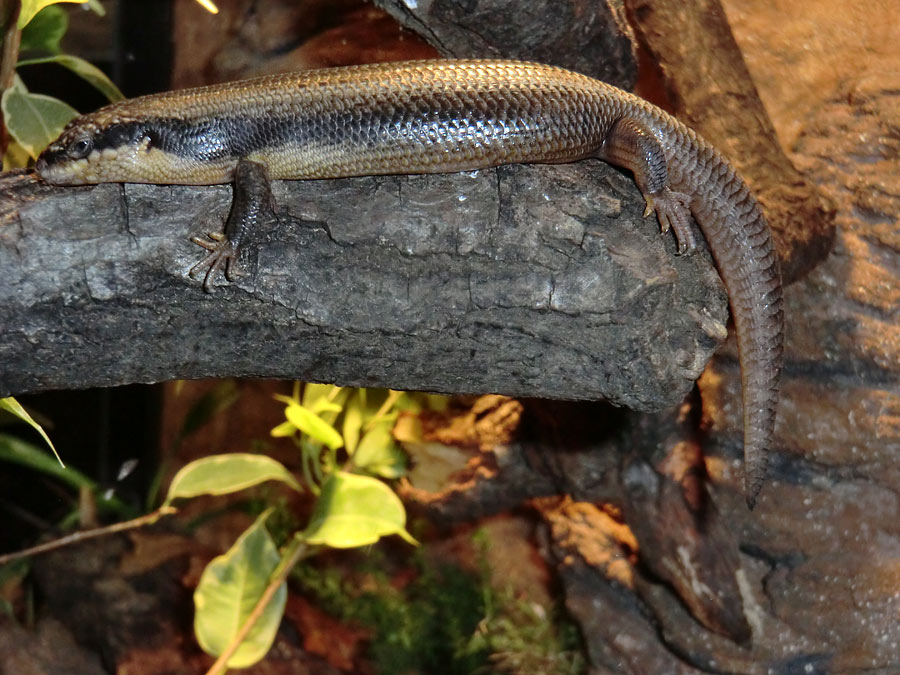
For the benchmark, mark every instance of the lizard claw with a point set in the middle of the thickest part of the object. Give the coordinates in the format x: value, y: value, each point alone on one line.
x: 673, y: 211
x: 221, y: 254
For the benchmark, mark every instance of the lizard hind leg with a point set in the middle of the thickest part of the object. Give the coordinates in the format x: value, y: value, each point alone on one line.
x: 673, y: 211
x: 630, y: 144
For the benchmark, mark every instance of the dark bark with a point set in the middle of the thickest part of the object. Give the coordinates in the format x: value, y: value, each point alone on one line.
x: 527, y: 280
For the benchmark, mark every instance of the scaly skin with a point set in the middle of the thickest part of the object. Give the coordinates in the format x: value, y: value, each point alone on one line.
x: 442, y: 116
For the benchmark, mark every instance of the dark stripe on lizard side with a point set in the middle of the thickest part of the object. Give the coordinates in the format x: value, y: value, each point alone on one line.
x: 519, y: 123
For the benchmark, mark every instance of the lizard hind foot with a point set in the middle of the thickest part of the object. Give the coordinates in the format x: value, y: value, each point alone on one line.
x: 673, y: 211
x: 221, y: 254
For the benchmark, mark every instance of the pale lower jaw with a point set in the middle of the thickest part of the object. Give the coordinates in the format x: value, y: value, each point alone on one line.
x: 58, y: 176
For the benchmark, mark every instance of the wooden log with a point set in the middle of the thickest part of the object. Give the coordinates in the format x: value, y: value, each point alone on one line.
x: 525, y: 280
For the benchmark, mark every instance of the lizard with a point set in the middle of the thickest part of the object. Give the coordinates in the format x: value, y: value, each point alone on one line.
x: 441, y: 116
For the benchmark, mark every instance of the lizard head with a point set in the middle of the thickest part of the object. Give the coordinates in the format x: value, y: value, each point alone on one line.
x: 94, y: 149
x: 119, y: 144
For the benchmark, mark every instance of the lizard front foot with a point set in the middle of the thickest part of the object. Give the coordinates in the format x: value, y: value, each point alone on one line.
x: 222, y: 253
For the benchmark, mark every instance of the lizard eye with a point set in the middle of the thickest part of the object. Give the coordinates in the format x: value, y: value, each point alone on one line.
x: 80, y: 148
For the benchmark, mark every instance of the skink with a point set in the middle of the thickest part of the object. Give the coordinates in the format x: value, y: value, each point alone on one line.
x: 443, y: 116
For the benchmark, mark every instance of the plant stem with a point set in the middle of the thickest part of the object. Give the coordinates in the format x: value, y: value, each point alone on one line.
x: 12, y: 36
x: 9, y: 55
x: 296, y: 551
x: 84, y: 535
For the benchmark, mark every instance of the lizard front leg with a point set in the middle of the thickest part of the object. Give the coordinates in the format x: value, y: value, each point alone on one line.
x: 251, y: 205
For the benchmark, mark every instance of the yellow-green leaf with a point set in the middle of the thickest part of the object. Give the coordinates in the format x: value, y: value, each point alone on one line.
x: 32, y: 7
x: 44, y: 32
x: 229, y: 589
x: 85, y: 70
x: 323, y: 406
x: 34, y: 119
x: 15, y: 450
x: 353, y: 420
x: 15, y: 156
x: 223, y: 474
x: 437, y: 402
x: 378, y: 453
x: 283, y: 430
x: 13, y: 406
x: 355, y: 511
x: 313, y: 426
x: 313, y: 391
x: 326, y: 400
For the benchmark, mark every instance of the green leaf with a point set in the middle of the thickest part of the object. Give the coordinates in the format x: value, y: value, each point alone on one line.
x: 31, y: 7
x: 85, y: 70
x: 355, y: 511
x: 326, y: 400
x: 34, y: 119
x: 313, y: 426
x: 283, y: 430
x: 409, y: 403
x: 229, y: 589
x: 378, y: 453
x: 223, y: 474
x: 12, y: 405
x: 437, y: 402
x: 323, y: 406
x: 373, y: 401
x: 353, y: 420
x: 15, y: 156
x: 313, y: 392
x: 44, y: 32
x: 21, y: 452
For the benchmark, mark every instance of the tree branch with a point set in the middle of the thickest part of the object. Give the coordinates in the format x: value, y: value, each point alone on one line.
x: 526, y: 280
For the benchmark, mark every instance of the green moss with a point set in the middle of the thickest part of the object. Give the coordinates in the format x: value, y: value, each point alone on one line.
x: 425, y: 627
x: 446, y: 621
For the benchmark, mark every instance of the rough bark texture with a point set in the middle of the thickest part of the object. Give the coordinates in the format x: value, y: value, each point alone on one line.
x: 534, y: 281
x: 590, y: 36
x: 667, y: 537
